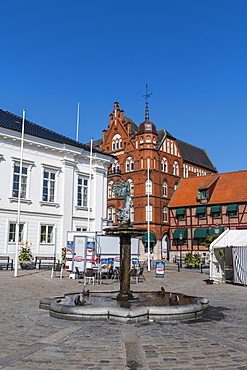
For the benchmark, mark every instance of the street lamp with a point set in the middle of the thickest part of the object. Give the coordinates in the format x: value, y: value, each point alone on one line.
x: 216, y: 229
x: 180, y: 242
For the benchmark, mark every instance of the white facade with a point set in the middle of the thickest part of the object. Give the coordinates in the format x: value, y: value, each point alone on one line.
x: 57, y: 194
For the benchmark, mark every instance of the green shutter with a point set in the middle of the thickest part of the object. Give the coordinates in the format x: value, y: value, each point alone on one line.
x: 151, y: 236
x: 180, y: 211
x: 216, y: 209
x: 232, y: 207
x: 184, y: 232
x: 201, y: 233
x: 201, y: 210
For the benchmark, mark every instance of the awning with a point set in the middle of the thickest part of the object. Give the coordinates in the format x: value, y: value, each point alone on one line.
x: 215, y: 209
x: 151, y: 236
x: 201, y: 210
x: 232, y: 207
x: 201, y: 233
x: 180, y: 211
x: 212, y: 232
x: 184, y: 232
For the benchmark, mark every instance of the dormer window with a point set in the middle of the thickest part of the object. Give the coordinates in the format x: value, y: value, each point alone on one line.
x: 202, y: 195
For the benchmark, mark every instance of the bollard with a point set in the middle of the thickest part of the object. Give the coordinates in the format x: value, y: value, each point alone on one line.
x: 201, y: 269
x: 178, y: 267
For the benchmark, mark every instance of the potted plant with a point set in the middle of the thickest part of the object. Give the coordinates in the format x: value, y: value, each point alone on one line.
x: 25, y: 255
x: 189, y: 260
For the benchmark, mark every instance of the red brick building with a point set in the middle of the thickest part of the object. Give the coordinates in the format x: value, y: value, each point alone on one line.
x: 153, y: 161
x: 202, y: 202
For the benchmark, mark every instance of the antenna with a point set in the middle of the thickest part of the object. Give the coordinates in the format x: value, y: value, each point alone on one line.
x: 146, y: 96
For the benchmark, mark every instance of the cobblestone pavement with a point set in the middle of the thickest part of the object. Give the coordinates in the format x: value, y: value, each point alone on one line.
x: 31, y: 339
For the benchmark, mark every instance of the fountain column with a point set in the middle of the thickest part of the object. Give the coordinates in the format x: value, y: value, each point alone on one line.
x: 125, y: 232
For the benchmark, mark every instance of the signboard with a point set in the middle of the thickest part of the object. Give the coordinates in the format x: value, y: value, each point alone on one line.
x: 159, y: 269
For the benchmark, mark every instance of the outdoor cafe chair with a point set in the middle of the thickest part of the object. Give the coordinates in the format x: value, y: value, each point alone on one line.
x: 57, y: 268
x: 134, y: 276
x: 89, y: 275
x: 140, y: 275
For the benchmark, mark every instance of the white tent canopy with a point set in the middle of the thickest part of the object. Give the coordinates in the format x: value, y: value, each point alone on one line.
x: 233, y: 266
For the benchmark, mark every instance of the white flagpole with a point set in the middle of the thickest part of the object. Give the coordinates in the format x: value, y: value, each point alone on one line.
x: 77, y: 122
x: 19, y: 197
x: 89, y: 185
x: 148, y: 213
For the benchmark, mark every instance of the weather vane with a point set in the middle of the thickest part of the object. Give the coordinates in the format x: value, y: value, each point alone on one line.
x: 146, y: 96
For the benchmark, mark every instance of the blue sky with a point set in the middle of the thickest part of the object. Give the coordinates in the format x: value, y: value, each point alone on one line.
x: 192, y: 53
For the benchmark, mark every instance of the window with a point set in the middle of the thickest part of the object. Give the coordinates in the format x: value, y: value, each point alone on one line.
x: 116, y: 167
x: 116, y: 142
x: 175, y: 186
x: 164, y: 167
x: 180, y: 213
x: 110, y: 192
x: 148, y: 139
x: 216, y: 211
x: 164, y: 189
x: 232, y: 210
x: 165, y: 214
x: 132, y: 165
x: 148, y: 187
x: 131, y: 214
x: 148, y: 212
x: 49, y: 180
x: 175, y: 170
x: 185, y: 171
x: 12, y: 232
x: 111, y: 213
x: 46, y: 234
x: 129, y: 164
x: 201, y: 212
x: 82, y: 192
x: 16, y: 179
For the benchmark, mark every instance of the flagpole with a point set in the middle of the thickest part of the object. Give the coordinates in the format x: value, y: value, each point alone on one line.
x: 19, y: 197
x: 77, y: 122
x: 89, y: 185
x: 148, y: 213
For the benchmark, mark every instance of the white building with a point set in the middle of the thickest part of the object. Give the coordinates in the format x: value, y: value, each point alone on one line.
x: 56, y: 195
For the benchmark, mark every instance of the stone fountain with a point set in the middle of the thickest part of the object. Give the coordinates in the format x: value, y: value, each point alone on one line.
x: 125, y: 306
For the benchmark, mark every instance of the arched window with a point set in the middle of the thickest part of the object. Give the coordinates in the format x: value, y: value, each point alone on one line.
x: 175, y: 168
x: 116, y: 142
x: 165, y: 214
x: 164, y: 189
x: 141, y: 163
x: 116, y: 167
x: 175, y: 186
x: 111, y: 213
x: 164, y: 167
x: 130, y: 164
x: 148, y: 187
x: 109, y: 190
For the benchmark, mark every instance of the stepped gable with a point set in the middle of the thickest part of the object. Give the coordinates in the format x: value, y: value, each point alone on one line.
x: 13, y: 122
x: 193, y: 154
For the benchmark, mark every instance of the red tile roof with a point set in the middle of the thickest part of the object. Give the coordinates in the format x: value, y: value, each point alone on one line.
x: 231, y: 187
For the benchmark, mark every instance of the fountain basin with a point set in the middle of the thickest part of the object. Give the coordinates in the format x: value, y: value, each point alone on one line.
x: 145, y: 311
